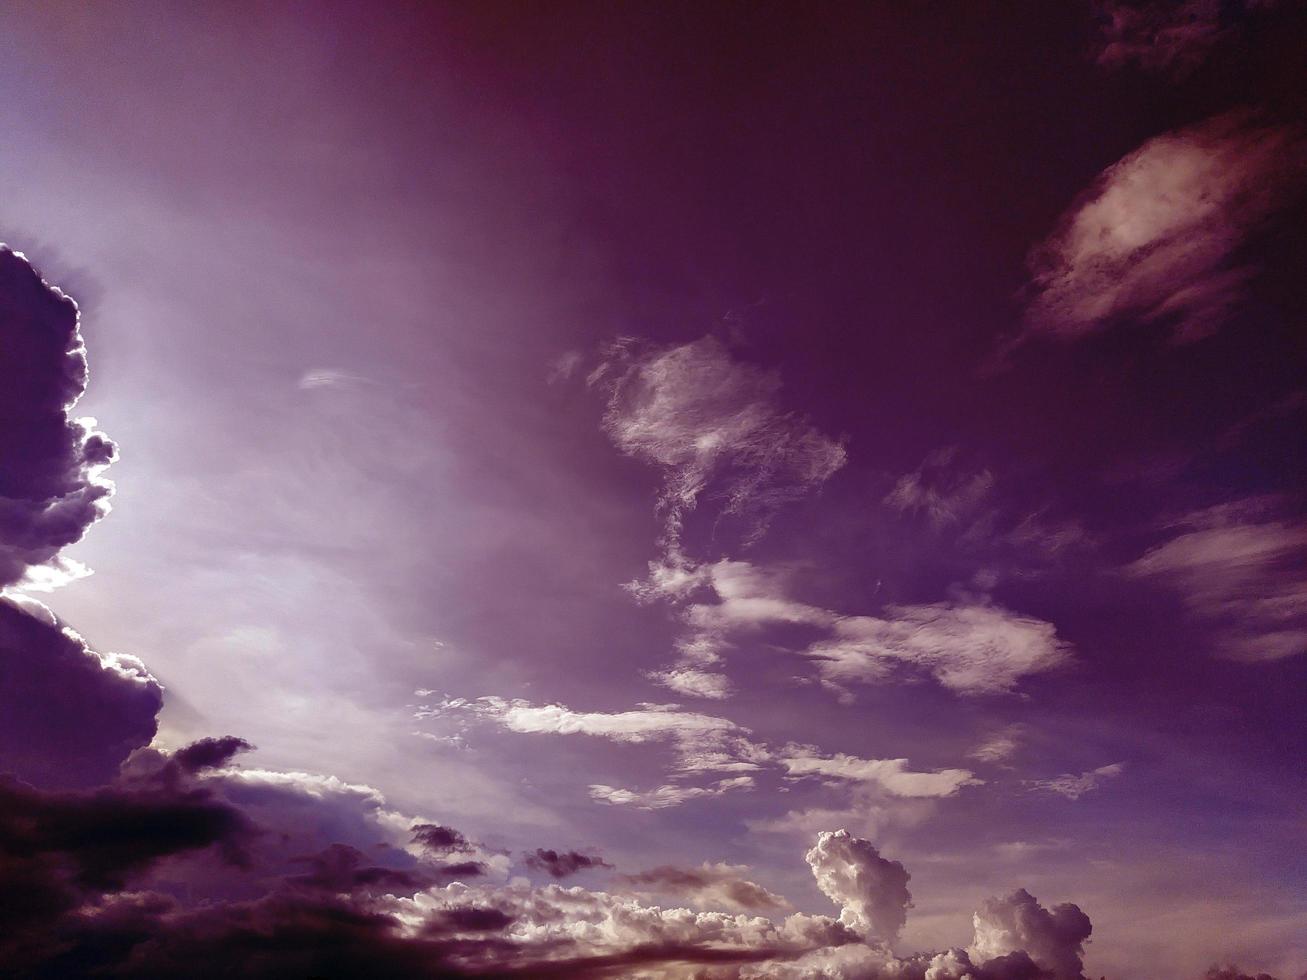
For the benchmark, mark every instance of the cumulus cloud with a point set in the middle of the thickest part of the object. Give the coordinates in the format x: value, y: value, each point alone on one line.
x: 1074, y: 786
x: 1240, y: 571
x: 872, y: 891
x: 51, y: 487
x: 714, y: 425
x: 69, y: 715
x: 561, y: 864
x: 1154, y: 238
x: 719, y: 885
x: 1053, y: 939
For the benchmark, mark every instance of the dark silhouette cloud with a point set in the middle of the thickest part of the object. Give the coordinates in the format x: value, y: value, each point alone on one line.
x: 69, y: 716
x: 210, y: 753
x: 50, y: 490
x: 561, y: 864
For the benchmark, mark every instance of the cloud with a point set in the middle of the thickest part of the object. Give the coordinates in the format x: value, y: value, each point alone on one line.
x: 1241, y: 572
x: 712, y: 424
x: 1154, y: 237
x: 891, y: 775
x: 970, y: 647
x: 1169, y: 36
x: 872, y: 891
x: 940, y: 492
x: 561, y: 864
x: 667, y: 795
x: 999, y: 746
x: 717, y: 885
x: 51, y: 488
x: 1053, y: 939
x: 69, y: 716
x: 1072, y: 786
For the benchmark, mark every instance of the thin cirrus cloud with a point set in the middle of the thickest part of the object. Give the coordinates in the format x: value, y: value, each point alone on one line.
x: 1155, y: 237
x: 713, y: 424
x: 1074, y: 786
x: 971, y: 646
x: 702, y: 744
x: 1239, y: 569
x: 667, y: 795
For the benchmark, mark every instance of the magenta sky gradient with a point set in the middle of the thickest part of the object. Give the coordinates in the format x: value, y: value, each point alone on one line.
x: 636, y: 440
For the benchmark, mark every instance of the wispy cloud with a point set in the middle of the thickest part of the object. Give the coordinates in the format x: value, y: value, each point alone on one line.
x: 1154, y: 237
x: 1238, y: 569
x: 1167, y: 36
x: 1074, y: 786
x: 709, y: 885
x: 713, y: 424
x: 892, y: 775
x: 667, y: 795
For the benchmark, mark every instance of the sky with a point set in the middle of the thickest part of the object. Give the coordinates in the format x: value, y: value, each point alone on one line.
x: 654, y: 490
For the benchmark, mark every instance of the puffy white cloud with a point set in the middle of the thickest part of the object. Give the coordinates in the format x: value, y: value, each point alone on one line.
x: 1054, y: 939
x: 872, y: 891
x: 1153, y: 237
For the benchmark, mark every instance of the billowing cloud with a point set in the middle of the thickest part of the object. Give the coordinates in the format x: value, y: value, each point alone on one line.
x: 1154, y: 238
x: 561, y: 864
x: 872, y: 891
x: 69, y: 716
x: 1074, y: 786
x: 717, y: 885
x: 1239, y: 570
x: 1053, y: 939
x: 51, y: 488
x: 714, y: 425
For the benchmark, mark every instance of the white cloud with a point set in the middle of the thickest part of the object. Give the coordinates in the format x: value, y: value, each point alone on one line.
x: 667, y: 795
x: 1245, y: 575
x: 719, y: 885
x: 1074, y: 786
x: 1153, y: 238
x: 972, y: 648
x: 892, y: 775
x: 872, y: 891
x: 710, y: 421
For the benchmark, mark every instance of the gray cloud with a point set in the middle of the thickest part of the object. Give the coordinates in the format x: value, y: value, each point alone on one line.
x: 51, y: 489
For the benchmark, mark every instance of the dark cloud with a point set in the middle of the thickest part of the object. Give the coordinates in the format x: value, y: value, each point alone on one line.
x: 561, y: 864
x: 210, y: 753
x: 1233, y: 973
x: 437, y: 838
x: 69, y: 716
x: 710, y: 885
x: 1169, y: 36
x: 50, y: 491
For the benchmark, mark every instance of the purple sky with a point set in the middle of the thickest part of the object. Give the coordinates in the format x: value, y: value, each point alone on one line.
x: 630, y: 441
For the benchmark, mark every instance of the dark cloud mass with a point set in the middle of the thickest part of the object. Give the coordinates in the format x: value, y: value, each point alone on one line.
x: 561, y: 864
x: 68, y: 715
x: 50, y: 491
